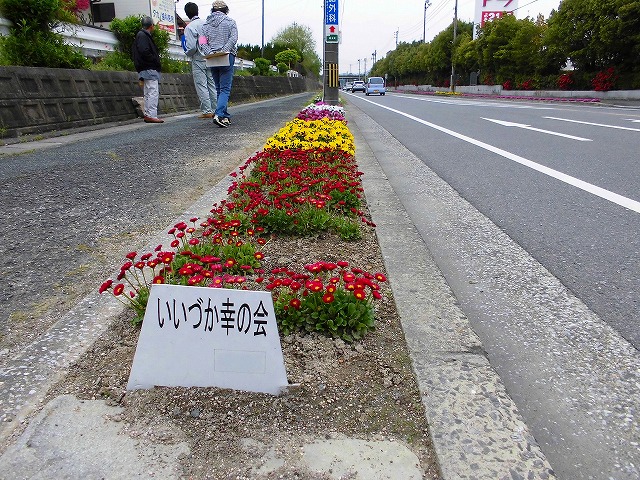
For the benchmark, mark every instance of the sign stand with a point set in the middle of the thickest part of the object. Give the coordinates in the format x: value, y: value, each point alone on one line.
x: 209, y: 337
x: 330, y: 74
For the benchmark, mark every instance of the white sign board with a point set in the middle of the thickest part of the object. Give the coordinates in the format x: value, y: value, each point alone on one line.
x: 209, y: 337
x: 163, y: 13
x: 487, y: 10
x: 331, y: 34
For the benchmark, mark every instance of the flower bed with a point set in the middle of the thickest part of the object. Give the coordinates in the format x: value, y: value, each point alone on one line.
x: 305, y: 181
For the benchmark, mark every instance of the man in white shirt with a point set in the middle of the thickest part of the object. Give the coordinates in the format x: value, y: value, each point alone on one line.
x: 202, y: 78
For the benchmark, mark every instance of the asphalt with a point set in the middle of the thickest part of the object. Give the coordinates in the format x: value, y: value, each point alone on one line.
x: 476, y: 428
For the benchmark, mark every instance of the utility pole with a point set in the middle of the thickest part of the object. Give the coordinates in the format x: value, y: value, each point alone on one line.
x: 424, y: 30
x: 358, y: 69
x: 262, y: 48
x: 396, y: 35
x: 453, y: 46
x: 365, y: 66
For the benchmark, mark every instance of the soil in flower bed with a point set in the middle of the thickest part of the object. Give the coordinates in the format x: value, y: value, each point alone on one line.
x: 365, y: 390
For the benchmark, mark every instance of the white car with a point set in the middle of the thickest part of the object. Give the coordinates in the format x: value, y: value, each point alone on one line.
x: 358, y: 86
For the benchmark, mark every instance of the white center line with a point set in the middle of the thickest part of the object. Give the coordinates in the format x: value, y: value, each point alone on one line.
x: 595, y: 124
x: 529, y: 127
x: 563, y: 177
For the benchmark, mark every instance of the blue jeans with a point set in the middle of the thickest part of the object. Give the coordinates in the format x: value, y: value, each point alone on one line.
x: 223, y: 78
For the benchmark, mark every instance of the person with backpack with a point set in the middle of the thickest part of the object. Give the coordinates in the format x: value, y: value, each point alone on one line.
x: 146, y: 59
x: 202, y: 77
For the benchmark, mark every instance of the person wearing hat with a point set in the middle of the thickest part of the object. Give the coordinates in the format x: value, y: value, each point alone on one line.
x: 220, y: 34
x: 202, y: 78
x: 146, y: 59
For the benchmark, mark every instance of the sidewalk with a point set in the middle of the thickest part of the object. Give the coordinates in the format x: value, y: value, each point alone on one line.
x: 475, y: 426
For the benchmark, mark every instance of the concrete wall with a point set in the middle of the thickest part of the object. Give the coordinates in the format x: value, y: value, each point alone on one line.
x: 498, y: 90
x: 38, y: 100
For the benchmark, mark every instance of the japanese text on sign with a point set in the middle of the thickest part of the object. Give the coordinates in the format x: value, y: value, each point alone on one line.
x: 205, y: 315
x: 331, y: 12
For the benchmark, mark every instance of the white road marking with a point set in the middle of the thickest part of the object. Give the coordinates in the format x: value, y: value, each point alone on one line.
x: 594, y: 124
x: 529, y: 127
x: 474, y: 103
x: 563, y: 177
x: 633, y: 120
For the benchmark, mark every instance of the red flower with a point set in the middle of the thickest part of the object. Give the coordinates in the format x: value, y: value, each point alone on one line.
x: 126, y: 266
x: 194, y: 241
x: 131, y: 255
x: 105, y: 286
x: 140, y: 265
x: 380, y: 277
x: 359, y: 294
x: 376, y: 294
x: 258, y: 255
x: 196, y: 279
x: 327, y: 298
x: 295, y: 303
x: 158, y: 279
x: 118, y: 289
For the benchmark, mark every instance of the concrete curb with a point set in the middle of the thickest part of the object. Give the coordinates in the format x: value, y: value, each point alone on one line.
x: 476, y: 428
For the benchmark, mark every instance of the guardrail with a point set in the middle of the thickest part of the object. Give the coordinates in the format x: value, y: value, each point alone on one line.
x: 95, y: 42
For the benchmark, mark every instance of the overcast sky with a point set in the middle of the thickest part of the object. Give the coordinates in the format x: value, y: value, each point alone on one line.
x: 367, y: 26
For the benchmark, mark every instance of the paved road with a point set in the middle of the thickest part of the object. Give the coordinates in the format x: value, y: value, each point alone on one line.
x: 69, y: 214
x: 549, y: 275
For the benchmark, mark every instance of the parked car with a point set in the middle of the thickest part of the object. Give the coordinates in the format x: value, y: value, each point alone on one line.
x: 347, y: 86
x: 375, y: 85
x: 358, y: 86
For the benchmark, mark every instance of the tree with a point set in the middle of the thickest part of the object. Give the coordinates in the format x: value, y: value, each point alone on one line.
x: 596, y: 34
x: 508, y: 48
x: 300, y: 38
x: 263, y: 66
x: 288, y: 56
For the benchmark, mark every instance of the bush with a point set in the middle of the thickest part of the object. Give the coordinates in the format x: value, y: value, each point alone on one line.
x: 125, y: 31
x: 566, y: 81
x: 31, y: 42
x: 33, y: 48
x: 605, y: 80
x: 118, y: 61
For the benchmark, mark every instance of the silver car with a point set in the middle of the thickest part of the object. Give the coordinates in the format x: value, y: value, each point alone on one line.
x: 358, y: 86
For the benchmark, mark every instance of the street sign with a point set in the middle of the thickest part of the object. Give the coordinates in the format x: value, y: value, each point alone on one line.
x: 331, y: 34
x: 331, y: 12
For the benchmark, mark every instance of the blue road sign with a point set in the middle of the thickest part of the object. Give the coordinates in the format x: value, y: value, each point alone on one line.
x: 331, y: 12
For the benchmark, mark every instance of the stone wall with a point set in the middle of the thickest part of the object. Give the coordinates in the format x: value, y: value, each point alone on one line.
x: 38, y: 100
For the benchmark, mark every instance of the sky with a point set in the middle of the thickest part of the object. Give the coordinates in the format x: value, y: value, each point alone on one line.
x: 366, y: 26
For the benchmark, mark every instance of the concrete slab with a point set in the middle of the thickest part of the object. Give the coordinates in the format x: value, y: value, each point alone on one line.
x: 76, y: 439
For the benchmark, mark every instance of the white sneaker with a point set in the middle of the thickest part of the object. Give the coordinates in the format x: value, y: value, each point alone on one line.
x: 219, y: 122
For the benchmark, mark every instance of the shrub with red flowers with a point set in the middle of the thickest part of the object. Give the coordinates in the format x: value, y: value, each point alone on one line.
x: 565, y: 81
x: 294, y: 187
x: 218, y: 254
x: 527, y: 85
x: 605, y: 80
x: 507, y: 85
x: 329, y: 297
